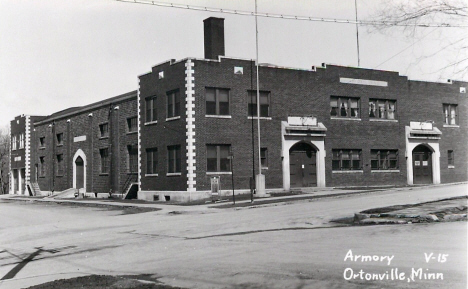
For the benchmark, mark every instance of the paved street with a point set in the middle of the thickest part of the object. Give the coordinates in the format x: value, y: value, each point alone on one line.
x: 282, y: 245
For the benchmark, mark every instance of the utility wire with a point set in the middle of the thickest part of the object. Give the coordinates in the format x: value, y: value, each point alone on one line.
x: 289, y: 17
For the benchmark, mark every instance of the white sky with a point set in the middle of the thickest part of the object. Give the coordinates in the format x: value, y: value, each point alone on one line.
x: 55, y: 54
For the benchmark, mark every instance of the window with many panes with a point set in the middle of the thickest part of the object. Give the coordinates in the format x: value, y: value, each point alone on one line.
x: 42, y: 166
x: 132, y: 124
x: 264, y: 103
x: 344, y: 107
x: 173, y: 104
x: 151, y: 109
x: 152, y: 161
x: 264, y: 157
x: 346, y: 159
x: 60, y: 164
x: 132, y: 158
x: 60, y: 139
x: 13, y: 142
x: 104, y: 153
x: 104, y: 130
x: 173, y: 159
x: 450, y: 114
x: 218, y: 158
x: 217, y: 101
x: 382, y: 109
x: 384, y: 159
x: 451, y: 158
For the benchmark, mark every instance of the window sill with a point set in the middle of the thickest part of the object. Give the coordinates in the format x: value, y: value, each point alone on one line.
x: 173, y: 174
x: 218, y: 173
x: 265, y: 168
x: 151, y: 175
x: 173, y: 118
x: 151, y: 122
x: 261, y: 118
x: 218, y: 116
x: 132, y: 132
x: 104, y: 137
x: 451, y: 167
x: 60, y: 145
x: 42, y: 148
x: 345, y: 118
x: 383, y: 120
x: 385, y: 171
x: 451, y: 125
x: 348, y: 172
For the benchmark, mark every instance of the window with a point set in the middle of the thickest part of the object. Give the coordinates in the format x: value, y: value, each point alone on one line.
x: 264, y: 103
x: 21, y: 141
x: 104, y: 153
x: 264, y: 157
x: 345, y: 107
x: 384, y: 159
x: 104, y: 130
x: 152, y: 161
x: 151, y: 109
x: 42, y: 142
x: 60, y: 139
x: 173, y: 159
x: 382, y: 108
x: 451, y: 158
x: 450, y: 114
x: 13, y: 142
x: 132, y: 124
x: 41, y: 166
x: 132, y: 158
x: 346, y: 159
x: 60, y: 165
x: 217, y: 101
x: 217, y: 158
x: 173, y: 104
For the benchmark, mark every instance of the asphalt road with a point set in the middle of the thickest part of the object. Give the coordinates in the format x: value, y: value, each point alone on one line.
x: 286, y: 245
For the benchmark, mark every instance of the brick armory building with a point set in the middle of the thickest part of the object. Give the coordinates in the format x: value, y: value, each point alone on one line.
x: 328, y: 126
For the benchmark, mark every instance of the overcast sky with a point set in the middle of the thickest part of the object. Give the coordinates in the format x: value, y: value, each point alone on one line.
x: 55, y: 54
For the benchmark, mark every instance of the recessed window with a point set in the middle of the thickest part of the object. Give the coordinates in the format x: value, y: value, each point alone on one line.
x: 264, y: 103
x: 382, y: 109
x: 60, y: 165
x: 173, y: 104
x: 60, y: 139
x: 152, y: 161
x: 450, y: 114
x: 218, y: 158
x: 151, y: 109
x: 451, y: 158
x: 173, y: 159
x: 217, y: 101
x: 264, y: 157
x: 132, y: 158
x: 21, y: 141
x: 41, y: 166
x: 346, y: 159
x: 344, y: 107
x: 132, y: 124
x: 384, y: 159
x: 104, y: 130
x: 104, y: 153
x: 42, y: 142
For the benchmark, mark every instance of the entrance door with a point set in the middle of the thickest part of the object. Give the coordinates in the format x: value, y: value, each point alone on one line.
x: 422, y: 165
x: 23, y: 181
x: 79, y: 173
x: 302, y: 166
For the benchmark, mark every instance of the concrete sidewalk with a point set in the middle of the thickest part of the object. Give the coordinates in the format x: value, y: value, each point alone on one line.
x: 303, y: 194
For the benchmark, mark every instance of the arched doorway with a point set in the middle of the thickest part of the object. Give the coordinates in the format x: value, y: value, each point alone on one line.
x: 303, y: 165
x: 79, y: 167
x: 422, y: 165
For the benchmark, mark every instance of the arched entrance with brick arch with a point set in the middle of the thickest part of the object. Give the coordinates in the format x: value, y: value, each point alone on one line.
x: 79, y: 170
x: 422, y: 164
x: 303, y: 165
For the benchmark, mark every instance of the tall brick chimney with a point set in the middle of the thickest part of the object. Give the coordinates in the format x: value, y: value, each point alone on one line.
x: 214, y: 37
